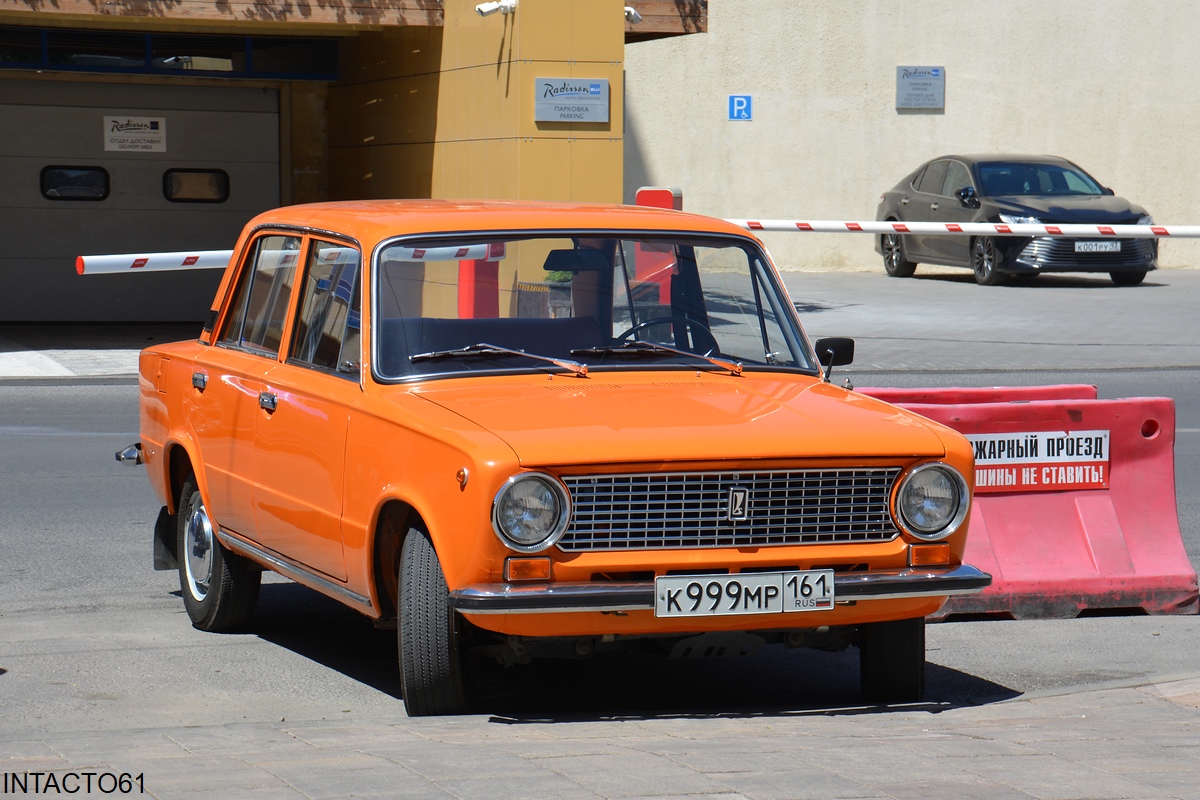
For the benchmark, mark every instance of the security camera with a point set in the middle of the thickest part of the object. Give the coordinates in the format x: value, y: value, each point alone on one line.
x: 503, y: 6
x: 632, y: 16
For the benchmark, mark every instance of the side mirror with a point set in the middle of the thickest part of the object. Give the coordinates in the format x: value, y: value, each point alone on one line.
x: 835, y: 351
x: 1108, y: 190
x: 966, y: 196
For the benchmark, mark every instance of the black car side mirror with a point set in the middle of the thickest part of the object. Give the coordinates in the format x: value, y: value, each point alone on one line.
x: 836, y: 351
x: 966, y: 196
x: 1107, y: 190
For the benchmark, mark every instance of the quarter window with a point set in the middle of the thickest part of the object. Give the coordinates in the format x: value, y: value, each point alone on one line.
x: 74, y: 183
x: 196, y: 185
x: 327, y: 329
x: 931, y: 181
x: 264, y: 291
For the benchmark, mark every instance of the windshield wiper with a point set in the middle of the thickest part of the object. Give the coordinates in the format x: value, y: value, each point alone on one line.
x: 485, y: 349
x: 651, y: 348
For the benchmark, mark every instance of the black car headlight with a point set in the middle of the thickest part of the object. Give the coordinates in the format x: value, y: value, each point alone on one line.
x: 932, y: 501
x: 531, y: 512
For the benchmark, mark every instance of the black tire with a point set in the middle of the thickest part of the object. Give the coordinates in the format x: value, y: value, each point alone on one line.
x: 983, y: 262
x: 428, y: 632
x: 892, y: 661
x: 1127, y: 278
x: 219, y: 588
x: 895, y: 261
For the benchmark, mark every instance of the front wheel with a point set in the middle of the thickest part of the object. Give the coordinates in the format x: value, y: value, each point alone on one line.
x: 428, y: 633
x: 219, y: 588
x: 892, y: 661
x: 983, y: 262
x: 895, y: 262
x: 1127, y: 278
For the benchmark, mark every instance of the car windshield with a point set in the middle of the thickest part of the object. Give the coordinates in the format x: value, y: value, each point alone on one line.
x: 1009, y: 178
x: 453, y: 305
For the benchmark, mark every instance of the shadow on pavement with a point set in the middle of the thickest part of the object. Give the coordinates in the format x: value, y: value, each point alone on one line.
x: 97, y: 336
x: 1098, y: 280
x: 621, y: 685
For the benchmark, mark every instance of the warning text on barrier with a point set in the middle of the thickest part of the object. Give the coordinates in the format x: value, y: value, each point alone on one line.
x: 1040, y: 461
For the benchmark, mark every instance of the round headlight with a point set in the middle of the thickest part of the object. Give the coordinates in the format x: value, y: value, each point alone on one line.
x: 932, y: 501
x: 530, y: 512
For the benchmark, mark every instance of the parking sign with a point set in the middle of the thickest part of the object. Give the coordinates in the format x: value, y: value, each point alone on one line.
x: 741, y: 107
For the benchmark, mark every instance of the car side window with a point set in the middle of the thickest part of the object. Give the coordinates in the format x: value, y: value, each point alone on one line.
x: 260, y: 304
x: 934, y: 177
x: 957, y: 177
x: 327, y: 330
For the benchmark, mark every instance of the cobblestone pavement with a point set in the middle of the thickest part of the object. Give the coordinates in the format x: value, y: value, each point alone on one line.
x: 1132, y: 742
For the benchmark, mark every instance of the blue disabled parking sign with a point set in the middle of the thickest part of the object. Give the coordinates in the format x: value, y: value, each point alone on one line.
x: 741, y: 107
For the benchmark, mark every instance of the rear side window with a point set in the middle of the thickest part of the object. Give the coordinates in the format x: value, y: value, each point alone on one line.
x: 260, y: 304
x: 931, y: 181
x: 74, y: 183
x: 196, y: 185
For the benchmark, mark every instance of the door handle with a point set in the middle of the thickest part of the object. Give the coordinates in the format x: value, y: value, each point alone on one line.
x: 933, y: 206
x: 267, y: 401
x: 199, y: 381
x: 904, y: 201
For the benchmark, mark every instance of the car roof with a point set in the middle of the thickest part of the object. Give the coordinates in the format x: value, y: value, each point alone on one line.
x: 974, y: 158
x: 371, y: 221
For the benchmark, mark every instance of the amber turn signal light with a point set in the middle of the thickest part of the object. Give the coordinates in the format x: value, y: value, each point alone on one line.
x: 927, y: 555
x: 527, y: 569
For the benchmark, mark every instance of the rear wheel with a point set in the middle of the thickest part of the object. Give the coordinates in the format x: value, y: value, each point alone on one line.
x: 219, y: 588
x: 892, y: 661
x: 1127, y: 278
x: 428, y: 631
x: 895, y: 262
x: 983, y: 262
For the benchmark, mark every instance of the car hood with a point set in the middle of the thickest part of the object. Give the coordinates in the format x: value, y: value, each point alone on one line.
x: 603, y: 419
x: 1094, y: 209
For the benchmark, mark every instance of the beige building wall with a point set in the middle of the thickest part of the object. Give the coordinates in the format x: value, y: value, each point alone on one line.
x: 448, y: 111
x: 1106, y: 83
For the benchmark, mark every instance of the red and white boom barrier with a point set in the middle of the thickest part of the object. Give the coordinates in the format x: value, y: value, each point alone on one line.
x: 972, y: 228
x: 152, y: 262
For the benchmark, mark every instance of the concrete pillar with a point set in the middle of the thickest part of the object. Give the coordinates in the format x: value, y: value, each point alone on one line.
x: 487, y: 144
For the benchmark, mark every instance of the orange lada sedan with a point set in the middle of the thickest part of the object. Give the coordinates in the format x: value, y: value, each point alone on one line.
x: 521, y: 430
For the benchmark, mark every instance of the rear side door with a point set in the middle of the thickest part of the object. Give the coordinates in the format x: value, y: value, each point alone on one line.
x: 925, y: 198
x: 230, y: 377
x: 300, y: 439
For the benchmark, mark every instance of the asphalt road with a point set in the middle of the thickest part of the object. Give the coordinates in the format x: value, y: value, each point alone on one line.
x: 99, y: 666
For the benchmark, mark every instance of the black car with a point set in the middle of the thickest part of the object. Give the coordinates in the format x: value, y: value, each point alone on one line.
x: 1012, y: 189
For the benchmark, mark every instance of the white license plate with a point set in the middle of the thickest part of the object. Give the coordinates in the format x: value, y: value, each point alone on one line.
x: 746, y: 593
x: 1098, y: 247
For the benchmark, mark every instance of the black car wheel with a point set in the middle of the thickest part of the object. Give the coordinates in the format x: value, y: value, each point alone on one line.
x: 892, y: 661
x: 428, y: 633
x: 1127, y: 278
x: 894, y: 260
x: 983, y: 262
x: 219, y: 588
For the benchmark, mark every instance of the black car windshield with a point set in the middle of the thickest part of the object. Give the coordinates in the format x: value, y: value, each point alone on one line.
x: 463, y: 304
x: 1013, y: 178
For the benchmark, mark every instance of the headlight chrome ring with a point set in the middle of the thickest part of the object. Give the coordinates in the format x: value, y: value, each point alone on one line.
x: 932, y: 501
x: 531, y: 511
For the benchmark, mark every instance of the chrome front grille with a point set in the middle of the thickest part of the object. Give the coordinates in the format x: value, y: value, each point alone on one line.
x: 1051, y: 254
x: 693, y: 509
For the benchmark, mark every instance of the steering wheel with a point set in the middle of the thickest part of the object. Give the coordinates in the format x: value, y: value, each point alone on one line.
x: 704, y: 343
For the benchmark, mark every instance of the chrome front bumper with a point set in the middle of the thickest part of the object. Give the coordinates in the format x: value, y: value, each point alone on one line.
x: 548, y: 598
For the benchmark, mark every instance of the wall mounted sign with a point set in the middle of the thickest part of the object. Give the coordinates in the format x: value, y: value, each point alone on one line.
x: 741, y: 107
x: 921, y: 87
x: 135, y: 134
x: 570, y: 100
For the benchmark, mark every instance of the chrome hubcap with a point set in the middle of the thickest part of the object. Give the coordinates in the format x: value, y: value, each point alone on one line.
x: 198, y: 541
x: 891, y: 249
x: 983, y: 257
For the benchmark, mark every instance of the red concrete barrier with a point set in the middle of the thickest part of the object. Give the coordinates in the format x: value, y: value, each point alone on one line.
x: 1074, y: 502
x: 987, y: 394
